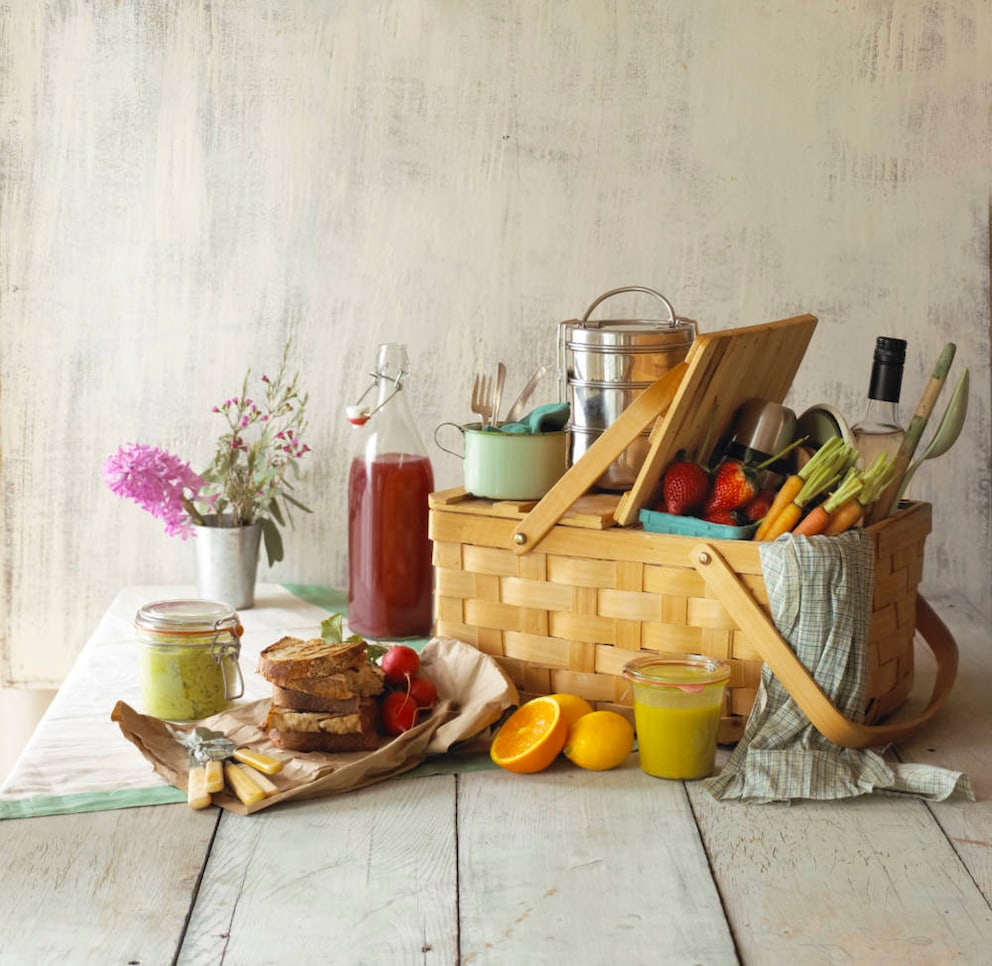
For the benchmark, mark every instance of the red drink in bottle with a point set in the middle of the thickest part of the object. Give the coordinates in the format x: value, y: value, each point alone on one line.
x: 389, y: 552
x: 390, y: 577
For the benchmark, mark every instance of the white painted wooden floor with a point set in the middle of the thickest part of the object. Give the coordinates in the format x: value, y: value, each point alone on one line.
x: 562, y: 867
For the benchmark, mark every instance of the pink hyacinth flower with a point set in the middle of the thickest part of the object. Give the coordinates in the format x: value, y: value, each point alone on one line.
x: 157, y: 481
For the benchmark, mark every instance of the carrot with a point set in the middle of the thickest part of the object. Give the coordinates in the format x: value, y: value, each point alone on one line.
x: 789, y: 490
x: 785, y: 521
x: 819, y: 519
x: 846, y: 516
x: 822, y: 478
x: 873, y: 481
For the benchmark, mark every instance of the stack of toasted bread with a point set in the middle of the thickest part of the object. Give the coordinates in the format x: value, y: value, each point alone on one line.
x: 323, y: 695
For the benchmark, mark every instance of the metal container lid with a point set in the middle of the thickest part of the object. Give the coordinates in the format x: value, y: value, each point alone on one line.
x: 631, y: 335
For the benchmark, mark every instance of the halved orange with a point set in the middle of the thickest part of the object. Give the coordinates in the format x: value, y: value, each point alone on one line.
x: 531, y: 738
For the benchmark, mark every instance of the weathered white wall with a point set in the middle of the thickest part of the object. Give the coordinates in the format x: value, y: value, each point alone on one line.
x: 187, y: 184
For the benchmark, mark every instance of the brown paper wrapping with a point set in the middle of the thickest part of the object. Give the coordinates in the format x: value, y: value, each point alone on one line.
x: 473, y: 692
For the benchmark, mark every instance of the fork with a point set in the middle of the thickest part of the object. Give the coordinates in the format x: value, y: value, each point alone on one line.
x: 482, y: 398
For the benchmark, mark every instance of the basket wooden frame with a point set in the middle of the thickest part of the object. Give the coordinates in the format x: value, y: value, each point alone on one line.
x: 567, y: 615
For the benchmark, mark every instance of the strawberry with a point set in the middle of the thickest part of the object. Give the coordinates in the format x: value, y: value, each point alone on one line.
x: 755, y: 510
x: 685, y: 486
x: 733, y: 486
x: 728, y: 518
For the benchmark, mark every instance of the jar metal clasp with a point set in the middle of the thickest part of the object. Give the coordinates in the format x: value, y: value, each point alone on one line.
x: 225, y: 654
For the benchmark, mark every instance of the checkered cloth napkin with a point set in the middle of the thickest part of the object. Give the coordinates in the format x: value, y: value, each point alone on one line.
x: 819, y: 591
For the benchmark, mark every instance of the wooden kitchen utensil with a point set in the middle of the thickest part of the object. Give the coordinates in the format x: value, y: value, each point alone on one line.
x: 885, y: 504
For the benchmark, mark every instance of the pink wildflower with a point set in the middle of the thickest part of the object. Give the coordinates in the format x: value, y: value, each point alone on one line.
x: 157, y: 481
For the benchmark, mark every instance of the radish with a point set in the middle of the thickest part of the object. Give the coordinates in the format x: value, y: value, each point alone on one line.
x: 423, y: 691
x: 400, y: 664
x: 398, y: 713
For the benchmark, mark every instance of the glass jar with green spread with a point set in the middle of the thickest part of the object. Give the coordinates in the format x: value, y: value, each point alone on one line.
x: 188, y: 658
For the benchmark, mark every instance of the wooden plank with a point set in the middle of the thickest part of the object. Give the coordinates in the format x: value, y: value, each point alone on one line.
x: 367, y: 877
x: 804, y: 883
x: 584, y: 867
x: 960, y: 737
x: 100, y: 887
x: 865, y: 880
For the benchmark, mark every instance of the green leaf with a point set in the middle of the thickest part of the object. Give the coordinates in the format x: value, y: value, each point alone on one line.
x: 273, y: 510
x: 273, y: 540
x: 332, y: 629
x: 296, y: 503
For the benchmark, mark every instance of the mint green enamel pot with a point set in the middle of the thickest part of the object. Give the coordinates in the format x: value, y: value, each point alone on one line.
x: 509, y: 466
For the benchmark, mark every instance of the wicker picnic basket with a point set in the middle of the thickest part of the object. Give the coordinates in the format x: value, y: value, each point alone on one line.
x: 564, y: 592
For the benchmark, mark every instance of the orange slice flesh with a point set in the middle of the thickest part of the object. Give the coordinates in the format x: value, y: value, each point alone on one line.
x: 531, y: 738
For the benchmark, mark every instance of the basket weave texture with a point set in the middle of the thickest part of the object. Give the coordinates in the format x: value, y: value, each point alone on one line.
x: 568, y: 615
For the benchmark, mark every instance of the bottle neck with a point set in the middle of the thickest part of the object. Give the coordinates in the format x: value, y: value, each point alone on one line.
x: 885, y: 384
x: 881, y: 416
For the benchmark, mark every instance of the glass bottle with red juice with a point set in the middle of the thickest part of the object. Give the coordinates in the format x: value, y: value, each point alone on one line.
x: 390, y: 577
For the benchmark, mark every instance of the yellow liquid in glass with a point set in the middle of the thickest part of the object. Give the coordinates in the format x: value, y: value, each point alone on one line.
x: 677, y: 742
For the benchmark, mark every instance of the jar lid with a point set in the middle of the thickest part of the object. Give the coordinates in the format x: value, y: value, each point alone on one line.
x: 190, y: 616
x: 687, y: 672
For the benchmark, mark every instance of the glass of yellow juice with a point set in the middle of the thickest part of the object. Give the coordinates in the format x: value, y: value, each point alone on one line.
x: 678, y: 700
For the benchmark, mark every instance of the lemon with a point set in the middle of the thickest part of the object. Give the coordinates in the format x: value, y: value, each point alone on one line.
x: 599, y: 740
x: 572, y: 707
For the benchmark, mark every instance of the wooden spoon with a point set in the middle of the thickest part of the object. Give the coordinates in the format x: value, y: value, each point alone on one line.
x: 947, y: 432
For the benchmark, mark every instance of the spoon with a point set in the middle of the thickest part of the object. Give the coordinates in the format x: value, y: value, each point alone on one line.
x: 947, y: 432
x: 517, y: 409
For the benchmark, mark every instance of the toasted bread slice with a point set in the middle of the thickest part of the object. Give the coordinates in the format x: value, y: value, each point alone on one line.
x: 365, y: 681
x: 291, y: 657
x: 301, y: 701
x: 321, y: 741
x: 322, y: 722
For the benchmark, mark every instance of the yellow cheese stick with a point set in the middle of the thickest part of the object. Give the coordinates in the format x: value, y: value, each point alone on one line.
x: 197, y: 795
x: 263, y: 781
x: 215, y: 775
x: 257, y: 760
x: 248, y: 790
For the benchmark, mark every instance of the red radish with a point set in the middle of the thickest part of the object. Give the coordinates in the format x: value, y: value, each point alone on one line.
x: 400, y: 664
x: 398, y: 713
x: 423, y: 691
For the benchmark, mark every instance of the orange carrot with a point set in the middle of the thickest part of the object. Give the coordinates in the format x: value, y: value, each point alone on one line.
x: 819, y: 518
x: 787, y: 492
x: 791, y: 488
x: 873, y: 481
x: 846, y: 516
x: 816, y: 521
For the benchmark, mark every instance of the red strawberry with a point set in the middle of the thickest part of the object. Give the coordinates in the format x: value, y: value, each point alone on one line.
x: 755, y: 510
x: 728, y: 518
x: 685, y: 486
x: 733, y: 486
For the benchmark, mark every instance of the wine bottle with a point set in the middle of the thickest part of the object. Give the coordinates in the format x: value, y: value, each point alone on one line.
x: 879, y: 429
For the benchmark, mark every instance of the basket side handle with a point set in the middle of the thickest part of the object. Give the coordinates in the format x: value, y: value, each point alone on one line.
x: 787, y: 667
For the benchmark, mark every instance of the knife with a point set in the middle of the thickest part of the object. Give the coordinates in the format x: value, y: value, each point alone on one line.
x: 516, y: 410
